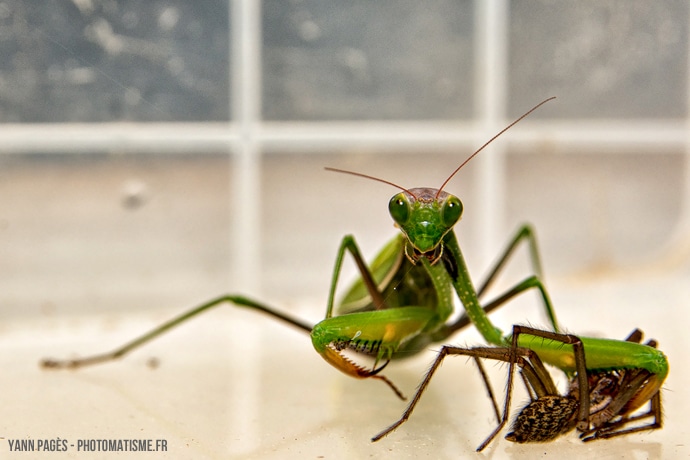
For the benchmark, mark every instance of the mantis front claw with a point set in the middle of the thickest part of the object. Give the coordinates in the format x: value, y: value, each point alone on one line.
x: 341, y: 362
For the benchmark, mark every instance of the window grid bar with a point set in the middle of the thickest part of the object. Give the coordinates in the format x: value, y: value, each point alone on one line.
x: 491, y: 62
x: 245, y: 98
x: 279, y: 137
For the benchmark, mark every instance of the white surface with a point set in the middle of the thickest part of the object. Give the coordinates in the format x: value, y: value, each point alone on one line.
x: 233, y: 384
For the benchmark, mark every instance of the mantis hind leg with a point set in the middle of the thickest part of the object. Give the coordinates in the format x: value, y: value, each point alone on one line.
x: 239, y: 301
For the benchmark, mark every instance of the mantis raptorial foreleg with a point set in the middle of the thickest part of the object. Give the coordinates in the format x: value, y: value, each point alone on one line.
x: 615, y: 417
x: 598, y: 403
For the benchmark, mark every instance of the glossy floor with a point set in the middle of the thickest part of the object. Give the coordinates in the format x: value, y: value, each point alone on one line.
x: 236, y: 385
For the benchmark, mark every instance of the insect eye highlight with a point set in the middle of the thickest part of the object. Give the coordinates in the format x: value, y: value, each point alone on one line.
x: 399, y: 208
x: 451, y: 211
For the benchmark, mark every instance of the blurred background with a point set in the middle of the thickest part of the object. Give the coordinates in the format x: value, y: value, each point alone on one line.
x: 156, y: 154
x: 160, y: 151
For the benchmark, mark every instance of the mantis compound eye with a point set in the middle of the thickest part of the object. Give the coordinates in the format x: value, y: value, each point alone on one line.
x: 399, y: 208
x: 451, y: 211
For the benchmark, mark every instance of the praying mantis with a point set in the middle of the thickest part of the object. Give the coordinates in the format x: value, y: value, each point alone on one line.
x: 404, y: 298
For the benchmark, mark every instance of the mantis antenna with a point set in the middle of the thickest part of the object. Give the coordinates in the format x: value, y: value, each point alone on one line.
x: 491, y: 140
x: 438, y: 192
x: 370, y: 177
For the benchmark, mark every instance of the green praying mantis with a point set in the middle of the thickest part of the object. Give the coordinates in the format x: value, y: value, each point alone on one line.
x: 404, y: 298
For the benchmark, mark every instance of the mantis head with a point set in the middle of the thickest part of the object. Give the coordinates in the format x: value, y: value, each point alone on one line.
x: 423, y: 215
x: 426, y: 215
